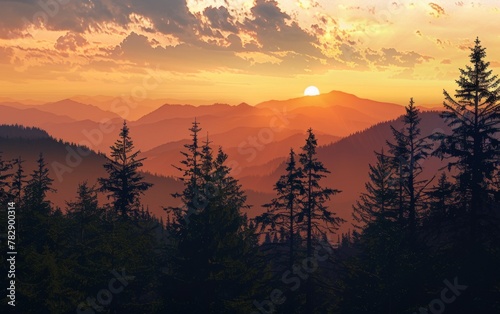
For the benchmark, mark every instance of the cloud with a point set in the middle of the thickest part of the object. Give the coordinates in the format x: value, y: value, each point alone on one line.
x: 392, y: 57
x: 138, y: 49
x: 352, y: 57
x: 276, y: 31
x: 405, y: 74
x: 166, y: 32
x: 220, y: 19
x: 6, y: 54
x: 70, y: 41
x: 168, y: 17
x: 437, y: 10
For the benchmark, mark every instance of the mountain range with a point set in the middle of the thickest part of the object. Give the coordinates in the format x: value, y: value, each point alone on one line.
x: 256, y: 138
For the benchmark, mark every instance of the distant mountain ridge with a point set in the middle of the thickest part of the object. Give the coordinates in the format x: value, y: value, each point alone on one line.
x: 69, y: 168
x: 19, y: 131
x: 74, y: 110
x: 252, y: 135
x: 348, y: 161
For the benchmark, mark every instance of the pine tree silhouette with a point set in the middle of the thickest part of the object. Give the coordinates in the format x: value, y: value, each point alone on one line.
x: 282, y: 211
x: 409, y: 151
x: 125, y: 184
x: 380, y: 199
x: 5, y: 184
x: 315, y: 214
x: 18, y: 181
x: 474, y: 117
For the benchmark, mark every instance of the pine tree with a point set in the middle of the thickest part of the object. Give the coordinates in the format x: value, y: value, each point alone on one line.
x: 35, y: 194
x: 37, y: 243
x: 35, y: 215
x: 19, y: 179
x: 473, y: 145
x: 84, y: 210
x: 409, y: 150
x: 125, y: 184
x: 214, y: 262
x: 5, y: 185
x: 207, y: 161
x: 282, y: 211
x: 315, y: 214
x: 379, y: 200
x: 441, y: 199
x: 191, y: 196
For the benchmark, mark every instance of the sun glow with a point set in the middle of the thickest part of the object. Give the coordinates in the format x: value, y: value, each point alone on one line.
x: 311, y: 91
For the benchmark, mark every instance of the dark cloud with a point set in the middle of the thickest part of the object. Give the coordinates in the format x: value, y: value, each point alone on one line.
x: 437, y: 10
x: 168, y: 17
x: 70, y: 41
x: 352, y: 57
x: 392, y: 57
x: 275, y: 30
x: 208, y: 41
x: 138, y: 49
x: 235, y: 43
x: 220, y: 18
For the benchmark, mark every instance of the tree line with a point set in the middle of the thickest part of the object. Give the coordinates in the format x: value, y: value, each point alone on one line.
x: 419, y: 244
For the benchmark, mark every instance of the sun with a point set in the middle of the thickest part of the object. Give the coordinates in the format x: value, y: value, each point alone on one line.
x: 311, y: 91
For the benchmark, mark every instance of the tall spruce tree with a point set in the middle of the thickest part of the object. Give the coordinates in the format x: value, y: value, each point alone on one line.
x: 5, y: 184
x: 441, y: 199
x: 124, y: 184
x: 473, y: 145
x: 18, y: 181
x: 37, y: 187
x: 37, y: 243
x: 85, y: 211
x: 379, y: 200
x: 316, y: 216
x: 214, y: 262
x: 191, y: 169
x: 282, y: 211
x: 409, y: 150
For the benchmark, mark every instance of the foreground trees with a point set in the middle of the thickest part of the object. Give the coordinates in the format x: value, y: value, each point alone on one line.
x: 300, y: 210
x: 215, y: 267
x: 420, y: 246
x: 5, y: 175
x: 409, y: 151
x: 284, y: 210
x: 124, y: 185
x: 380, y: 199
x: 457, y: 236
x: 473, y: 146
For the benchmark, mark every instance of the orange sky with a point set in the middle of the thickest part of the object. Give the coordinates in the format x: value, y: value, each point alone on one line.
x: 240, y: 50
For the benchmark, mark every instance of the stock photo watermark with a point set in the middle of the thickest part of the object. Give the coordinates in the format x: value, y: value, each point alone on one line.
x: 447, y: 296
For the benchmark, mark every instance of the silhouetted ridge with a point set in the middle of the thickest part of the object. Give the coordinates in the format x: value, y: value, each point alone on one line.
x: 20, y: 131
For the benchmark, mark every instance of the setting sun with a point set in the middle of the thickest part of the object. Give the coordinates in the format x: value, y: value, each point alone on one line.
x: 311, y: 91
